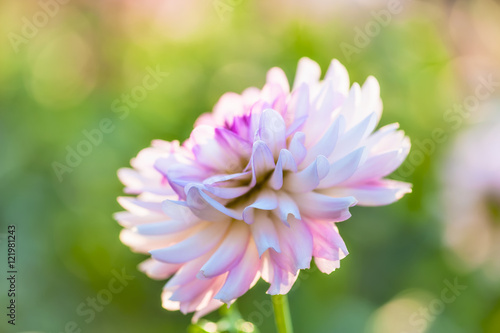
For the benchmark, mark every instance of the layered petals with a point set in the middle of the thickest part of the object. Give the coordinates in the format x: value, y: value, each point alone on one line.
x: 257, y: 189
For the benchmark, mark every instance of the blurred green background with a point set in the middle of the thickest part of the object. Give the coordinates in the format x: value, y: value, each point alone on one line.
x: 61, y: 72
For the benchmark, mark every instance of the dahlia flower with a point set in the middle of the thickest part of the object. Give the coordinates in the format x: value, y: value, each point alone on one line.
x: 257, y: 189
x: 471, y: 177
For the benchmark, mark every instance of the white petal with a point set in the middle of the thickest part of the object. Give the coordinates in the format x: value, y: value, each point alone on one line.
x: 233, y: 141
x: 320, y: 206
x: 339, y: 76
x: 228, y: 106
x: 187, y: 272
x: 371, y: 102
x: 308, y: 72
x: 213, y: 305
x: 158, y: 270
x: 352, y: 138
x: 281, y: 280
x: 297, y: 109
x: 127, y: 219
x: 264, y: 233
x: 137, y: 182
x: 342, y: 169
x: 165, y: 227
x: 168, y: 304
x: 376, y: 193
x: 207, y: 208
x: 144, y: 244
x: 272, y: 131
x: 326, y: 143
x: 228, y: 186
x: 240, y: 278
x: 208, y: 151
x: 327, y: 241
x: 262, y: 161
x: 285, y: 162
x: 379, y: 166
x: 297, y: 148
x: 326, y: 266
x: 309, y: 178
x: 266, y: 200
x: 323, y: 111
x: 229, y: 252
x: 178, y: 210
x: 388, y: 140
x: 286, y: 207
x: 181, y: 174
x: 351, y: 105
x: 203, y: 298
x: 192, y: 247
x: 190, y: 292
x: 277, y: 76
x: 296, y: 242
x: 139, y: 207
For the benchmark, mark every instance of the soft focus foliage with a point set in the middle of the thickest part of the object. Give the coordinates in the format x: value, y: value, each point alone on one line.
x: 66, y: 78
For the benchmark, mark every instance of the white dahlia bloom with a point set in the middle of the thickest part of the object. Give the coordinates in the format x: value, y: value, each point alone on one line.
x: 256, y: 190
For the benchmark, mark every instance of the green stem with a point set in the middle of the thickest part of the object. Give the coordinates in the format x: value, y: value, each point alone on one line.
x: 282, y: 313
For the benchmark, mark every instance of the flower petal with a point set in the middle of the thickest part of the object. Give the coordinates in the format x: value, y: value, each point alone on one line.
x: 280, y: 280
x: 207, y: 208
x: 229, y: 252
x: 128, y: 220
x: 309, y: 178
x: 213, y: 305
x: 266, y: 200
x: 352, y: 138
x: 373, y: 193
x: 262, y: 161
x: 264, y: 233
x: 297, y: 148
x: 286, y: 207
x: 379, y: 166
x: 296, y: 242
x: 371, y: 102
x: 158, y: 270
x: 140, y: 207
x: 342, y: 169
x: 327, y: 241
x: 326, y: 144
x: 319, y: 206
x: 338, y: 74
x: 272, y: 131
x: 326, y: 266
x: 187, y: 272
x: 297, y: 109
x: 241, y: 277
x: 165, y: 227
x: 308, y: 72
x: 285, y: 162
x: 192, y: 247
x: 143, y: 244
x: 277, y: 76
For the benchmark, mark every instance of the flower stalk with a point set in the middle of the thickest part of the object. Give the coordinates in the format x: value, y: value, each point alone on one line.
x: 282, y: 313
